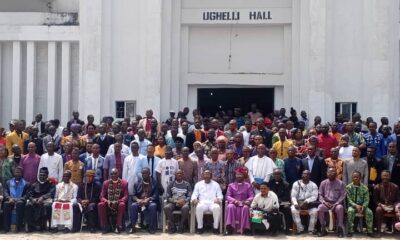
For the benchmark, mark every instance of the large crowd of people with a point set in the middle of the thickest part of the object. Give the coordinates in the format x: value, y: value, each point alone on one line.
x: 250, y: 172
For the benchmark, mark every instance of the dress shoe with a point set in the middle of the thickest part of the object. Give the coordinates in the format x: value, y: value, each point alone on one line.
x: 323, y: 233
x: 371, y: 235
x: 340, y: 232
x: 349, y: 235
x: 216, y: 231
x: 200, y: 231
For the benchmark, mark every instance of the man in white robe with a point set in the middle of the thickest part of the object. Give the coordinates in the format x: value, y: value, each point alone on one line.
x: 260, y: 167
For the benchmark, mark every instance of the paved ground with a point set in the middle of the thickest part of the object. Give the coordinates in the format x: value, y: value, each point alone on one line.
x: 158, y: 236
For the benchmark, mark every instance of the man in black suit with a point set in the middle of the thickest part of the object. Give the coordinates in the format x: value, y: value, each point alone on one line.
x: 391, y: 162
x: 263, y: 131
x: 103, y: 140
x: 315, y: 165
x: 196, y: 135
x: 40, y: 125
x: 75, y: 119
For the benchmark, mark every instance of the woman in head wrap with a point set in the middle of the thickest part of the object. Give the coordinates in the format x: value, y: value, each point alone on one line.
x: 222, y: 142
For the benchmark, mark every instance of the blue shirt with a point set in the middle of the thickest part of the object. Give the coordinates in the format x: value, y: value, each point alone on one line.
x: 292, y: 170
x: 377, y: 142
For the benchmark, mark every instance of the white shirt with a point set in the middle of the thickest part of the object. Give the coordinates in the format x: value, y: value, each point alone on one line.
x: 66, y: 188
x: 125, y: 149
x: 167, y: 168
x: 304, y: 192
x: 129, y: 170
x: 246, y: 137
x: 95, y: 161
x: 207, y: 193
x: 59, y: 131
x: 54, y: 164
x: 260, y: 168
x: 265, y: 203
x: 194, y: 157
x: 345, y: 153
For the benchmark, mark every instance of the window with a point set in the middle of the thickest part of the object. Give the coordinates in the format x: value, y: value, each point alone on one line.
x: 347, y: 109
x: 125, y: 109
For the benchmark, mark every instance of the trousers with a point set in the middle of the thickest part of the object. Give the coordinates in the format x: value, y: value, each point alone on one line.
x: 296, y: 218
x: 204, y: 207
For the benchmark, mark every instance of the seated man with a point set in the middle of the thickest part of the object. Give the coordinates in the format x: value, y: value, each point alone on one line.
x: 386, y: 195
x: 239, y: 196
x: 357, y: 202
x: 207, y: 195
x: 39, y: 199
x: 15, y: 192
x: 282, y: 189
x: 65, y: 210
x: 267, y: 203
x: 178, y: 197
x: 88, y: 197
x: 145, y: 199
x: 304, y: 197
x: 113, y: 198
x: 332, y: 193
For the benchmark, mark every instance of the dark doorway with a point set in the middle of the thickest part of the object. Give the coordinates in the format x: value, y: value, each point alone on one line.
x: 213, y: 100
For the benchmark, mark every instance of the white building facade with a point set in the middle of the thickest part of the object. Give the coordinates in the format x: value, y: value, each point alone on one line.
x: 120, y: 57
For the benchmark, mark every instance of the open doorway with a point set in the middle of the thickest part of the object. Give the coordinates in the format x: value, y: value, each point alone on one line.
x: 213, y: 100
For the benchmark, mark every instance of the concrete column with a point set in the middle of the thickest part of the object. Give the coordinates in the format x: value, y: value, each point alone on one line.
x: 30, y: 80
x: 51, y: 79
x: 16, y: 80
x: 65, y: 81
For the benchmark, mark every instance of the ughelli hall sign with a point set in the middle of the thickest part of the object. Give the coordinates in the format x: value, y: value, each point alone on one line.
x: 235, y: 15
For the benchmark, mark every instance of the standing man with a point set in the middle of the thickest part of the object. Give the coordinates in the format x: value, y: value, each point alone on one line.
x: 52, y: 162
x: 207, y: 196
x: 263, y: 131
x: 166, y: 170
x: 95, y: 163
x: 18, y: 136
x: 114, y: 160
x: 282, y: 146
x: 355, y: 164
x: 314, y: 164
x: 129, y: 170
x: 326, y: 141
x: 197, y: 135
x: 260, y: 167
x: 103, y: 140
x: 188, y: 167
x: 332, y: 194
x: 75, y: 167
x: 30, y: 164
x: 150, y: 161
x: 75, y: 120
